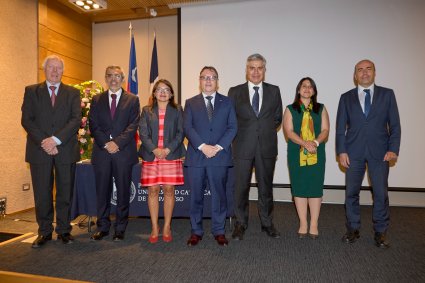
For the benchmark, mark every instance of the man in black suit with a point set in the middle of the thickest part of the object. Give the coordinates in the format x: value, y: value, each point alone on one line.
x: 258, y: 108
x: 51, y: 116
x: 113, y: 121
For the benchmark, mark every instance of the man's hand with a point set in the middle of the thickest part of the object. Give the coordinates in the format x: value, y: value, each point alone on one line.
x: 54, y: 151
x: 389, y: 156
x: 344, y: 160
x: 209, y: 150
x: 48, y: 144
x: 112, y: 147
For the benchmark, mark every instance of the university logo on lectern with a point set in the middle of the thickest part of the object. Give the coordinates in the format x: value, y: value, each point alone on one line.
x: 114, y: 192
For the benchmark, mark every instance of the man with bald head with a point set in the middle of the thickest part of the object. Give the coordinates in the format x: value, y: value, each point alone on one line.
x: 367, y: 133
x: 51, y: 116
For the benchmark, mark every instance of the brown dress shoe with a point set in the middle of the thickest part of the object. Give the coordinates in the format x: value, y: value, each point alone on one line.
x: 66, y: 238
x: 221, y: 240
x: 118, y: 236
x: 99, y: 236
x: 238, y: 232
x: 194, y: 240
x: 381, y: 240
x: 351, y: 236
x: 271, y: 232
x: 41, y: 240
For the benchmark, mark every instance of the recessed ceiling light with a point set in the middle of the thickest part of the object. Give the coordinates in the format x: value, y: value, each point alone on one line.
x: 90, y: 5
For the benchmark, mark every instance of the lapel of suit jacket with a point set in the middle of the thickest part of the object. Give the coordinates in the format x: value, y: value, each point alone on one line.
x: 246, y: 100
x: 218, y: 103
x: 355, y: 100
x: 377, y: 95
x: 60, y: 96
x: 103, y: 105
x: 200, y: 105
x: 121, y: 104
x: 266, y: 99
x: 44, y: 95
x: 169, y: 117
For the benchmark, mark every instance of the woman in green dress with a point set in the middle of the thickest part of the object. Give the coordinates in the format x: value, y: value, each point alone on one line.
x: 306, y: 126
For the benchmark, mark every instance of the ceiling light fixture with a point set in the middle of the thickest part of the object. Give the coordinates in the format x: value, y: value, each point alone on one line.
x: 90, y: 5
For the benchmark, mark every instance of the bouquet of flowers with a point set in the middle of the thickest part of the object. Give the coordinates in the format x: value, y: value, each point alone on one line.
x: 87, y: 90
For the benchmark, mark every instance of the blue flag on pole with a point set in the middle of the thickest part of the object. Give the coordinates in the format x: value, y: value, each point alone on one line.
x: 154, y: 63
x: 132, y: 85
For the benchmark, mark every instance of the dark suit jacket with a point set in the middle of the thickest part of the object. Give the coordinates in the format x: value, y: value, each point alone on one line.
x: 121, y: 129
x: 379, y: 132
x: 252, y: 128
x: 173, y: 132
x: 198, y: 130
x: 41, y: 121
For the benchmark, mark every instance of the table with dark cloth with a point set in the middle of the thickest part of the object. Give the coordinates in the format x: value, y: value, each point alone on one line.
x: 84, y: 201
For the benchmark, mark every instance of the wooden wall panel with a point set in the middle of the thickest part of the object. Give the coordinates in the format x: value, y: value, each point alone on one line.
x: 64, y: 32
x: 75, y: 71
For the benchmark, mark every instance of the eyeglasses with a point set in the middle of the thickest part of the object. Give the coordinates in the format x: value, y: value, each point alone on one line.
x: 117, y: 76
x: 208, y: 78
x: 163, y: 90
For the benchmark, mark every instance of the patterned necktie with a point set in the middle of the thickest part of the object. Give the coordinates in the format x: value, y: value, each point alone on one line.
x: 256, y: 101
x: 53, y: 96
x: 367, y: 102
x: 210, y: 108
x: 113, y: 104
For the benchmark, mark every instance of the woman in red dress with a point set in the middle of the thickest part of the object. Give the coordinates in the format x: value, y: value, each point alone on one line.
x: 162, y: 150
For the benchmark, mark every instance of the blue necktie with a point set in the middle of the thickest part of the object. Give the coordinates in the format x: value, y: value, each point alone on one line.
x: 210, y: 108
x: 367, y: 102
x: 256, y: 101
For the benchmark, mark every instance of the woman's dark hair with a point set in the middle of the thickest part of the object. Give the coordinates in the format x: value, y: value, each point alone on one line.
x: 297, y: 100
x: 153, y: 102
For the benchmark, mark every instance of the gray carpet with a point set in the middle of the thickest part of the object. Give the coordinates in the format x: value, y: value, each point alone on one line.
x: 255, y: 259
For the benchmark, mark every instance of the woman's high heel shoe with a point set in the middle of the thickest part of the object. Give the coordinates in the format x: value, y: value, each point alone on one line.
x: 153, y: 239
x: 168, y: 238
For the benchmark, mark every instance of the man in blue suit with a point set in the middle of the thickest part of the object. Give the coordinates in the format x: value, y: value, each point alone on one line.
x: 210, y: 126
x: 367, y: 132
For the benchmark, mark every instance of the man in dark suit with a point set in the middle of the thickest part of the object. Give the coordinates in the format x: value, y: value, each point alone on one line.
x: 259, y: 112
x: 367, y: 132
x: 51, y: 115
x: 113, y: 121
x: 210, y: 126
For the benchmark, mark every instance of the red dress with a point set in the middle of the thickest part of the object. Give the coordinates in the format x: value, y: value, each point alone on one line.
x: 162, y: 172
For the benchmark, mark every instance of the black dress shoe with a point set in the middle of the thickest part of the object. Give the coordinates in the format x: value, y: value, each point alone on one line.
x: 118, y: 236
x: 66, y: 238
x: 221, y: 240
x: 302, y: 235
x: 99, y: 236
x: 381, y: 240
x: 351, y: 236
x: 194, y: 240
x: 313, y: 236
x: 271, y: 232
x: 238, y: 232
x: 41, y: 240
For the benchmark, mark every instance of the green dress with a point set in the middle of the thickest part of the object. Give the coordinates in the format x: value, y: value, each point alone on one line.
x: 306, y: 181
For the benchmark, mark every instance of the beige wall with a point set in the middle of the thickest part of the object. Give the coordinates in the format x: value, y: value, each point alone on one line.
x: 111, y: 46
x: 18, y: 50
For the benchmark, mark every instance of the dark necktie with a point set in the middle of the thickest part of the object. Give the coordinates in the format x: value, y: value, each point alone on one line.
x: 210, y: 108
x: 53, y: 96
x: 367, y: 102
x: 256, y: 101
x: 113, y: 104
